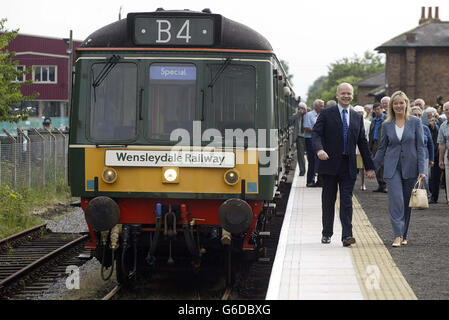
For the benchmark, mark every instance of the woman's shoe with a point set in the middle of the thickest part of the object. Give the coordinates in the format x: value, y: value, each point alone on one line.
x: 363, y: 187
x: 397, y: 242
x: 404, y: 242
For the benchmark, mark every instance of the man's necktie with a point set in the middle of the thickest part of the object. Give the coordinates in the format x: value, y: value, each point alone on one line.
x: 345, y: 131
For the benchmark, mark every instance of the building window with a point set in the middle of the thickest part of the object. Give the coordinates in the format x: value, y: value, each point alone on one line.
x: 20, y: 78
x: 45, y: 74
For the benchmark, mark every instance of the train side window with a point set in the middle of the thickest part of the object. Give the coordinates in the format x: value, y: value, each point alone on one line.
x: 114, y: 103
x: 233, y: 98
x: 172, y: 99
x: 276, y: 101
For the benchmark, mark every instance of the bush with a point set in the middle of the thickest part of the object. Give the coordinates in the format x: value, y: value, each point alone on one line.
x: 16, y: 207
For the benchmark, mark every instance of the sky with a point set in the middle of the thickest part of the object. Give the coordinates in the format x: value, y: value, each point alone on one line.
x: 308, y: 34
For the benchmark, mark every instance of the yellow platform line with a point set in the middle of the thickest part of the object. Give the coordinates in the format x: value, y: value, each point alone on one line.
x: 378, y: 275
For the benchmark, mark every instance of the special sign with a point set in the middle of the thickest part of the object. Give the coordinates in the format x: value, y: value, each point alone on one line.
x: 143, y: 158
x: 174, y: 31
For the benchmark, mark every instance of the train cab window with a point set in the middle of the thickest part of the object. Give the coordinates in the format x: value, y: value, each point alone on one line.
x: 113, y: 102
x: 172, y: 99
x: 232, y: 103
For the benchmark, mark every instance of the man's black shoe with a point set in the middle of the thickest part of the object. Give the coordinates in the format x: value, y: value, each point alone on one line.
x: 379, y: 190
x: 325, y: 239
x: 311, y: 185
x: 348, y: 241
x: 301, y: 174
x: 384, y: 191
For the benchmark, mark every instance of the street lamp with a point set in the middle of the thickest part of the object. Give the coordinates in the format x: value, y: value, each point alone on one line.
x: 69, y: 51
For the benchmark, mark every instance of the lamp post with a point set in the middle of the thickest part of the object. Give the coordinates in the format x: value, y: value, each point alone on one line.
x: 69, y: 51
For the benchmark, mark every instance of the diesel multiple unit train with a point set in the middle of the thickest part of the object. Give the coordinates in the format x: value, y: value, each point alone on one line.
x: 179, y: 138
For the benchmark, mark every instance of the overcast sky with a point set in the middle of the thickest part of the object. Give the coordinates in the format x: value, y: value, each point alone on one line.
x: 308, y: 34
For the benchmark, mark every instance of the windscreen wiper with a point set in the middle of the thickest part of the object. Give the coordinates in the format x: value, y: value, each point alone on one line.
x: 109, y: 65
x: 220, y: 71
x: 212, y: 83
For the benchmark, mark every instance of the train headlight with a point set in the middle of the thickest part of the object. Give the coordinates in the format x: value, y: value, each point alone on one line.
x: 109, y: 175
x: 170, y: 175
x: 231, y: 177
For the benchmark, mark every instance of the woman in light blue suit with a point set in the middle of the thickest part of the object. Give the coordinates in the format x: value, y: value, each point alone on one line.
x: 401, y: 150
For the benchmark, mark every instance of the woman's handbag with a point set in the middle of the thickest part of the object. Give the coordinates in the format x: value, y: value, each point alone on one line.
x: 418, y: 198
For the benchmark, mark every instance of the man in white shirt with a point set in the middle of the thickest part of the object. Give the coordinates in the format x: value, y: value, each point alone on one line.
x: 312, y: 159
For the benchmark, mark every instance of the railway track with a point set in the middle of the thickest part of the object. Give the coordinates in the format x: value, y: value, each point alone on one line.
x: 115, y: 291
x: 251, y: 283
x: 32, y: 260
x: 112, y: 293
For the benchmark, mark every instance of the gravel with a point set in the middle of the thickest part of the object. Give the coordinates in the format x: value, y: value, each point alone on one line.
x: 91, y: 286
x: 72, y: 221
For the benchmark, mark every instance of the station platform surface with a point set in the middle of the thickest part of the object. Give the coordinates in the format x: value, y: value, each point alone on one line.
x: 306, y: 269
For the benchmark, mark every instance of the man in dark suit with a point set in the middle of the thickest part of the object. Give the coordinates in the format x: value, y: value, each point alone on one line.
x: 335, y: 136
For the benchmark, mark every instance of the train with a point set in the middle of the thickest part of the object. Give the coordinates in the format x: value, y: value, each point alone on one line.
x: 179, y: 139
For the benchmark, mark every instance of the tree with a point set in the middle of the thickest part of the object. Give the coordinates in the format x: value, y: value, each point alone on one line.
x: 345, y: 70
x: 10, y: 93
x: 285, y: 66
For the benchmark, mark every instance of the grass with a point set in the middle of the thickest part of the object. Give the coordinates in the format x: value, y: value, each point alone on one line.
x: 16, y: 207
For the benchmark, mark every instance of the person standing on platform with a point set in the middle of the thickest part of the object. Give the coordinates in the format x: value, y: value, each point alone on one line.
x: 443, y: 143
x: 331, y: 103
x: 435, y: 171
x: 309, y: 121
x: 401, y: 149
x: 360, y: 166
x: 420, y: 103
x: 428, y: 147
x: 375, y: 132
x: 384, y: 103
x: 298, y: 120
x: 335, y: 136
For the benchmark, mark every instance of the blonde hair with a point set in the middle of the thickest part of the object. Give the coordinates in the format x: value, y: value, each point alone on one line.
x: 390, y: 114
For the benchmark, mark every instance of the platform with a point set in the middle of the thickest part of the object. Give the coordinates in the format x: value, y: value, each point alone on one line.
x: 306, y: 269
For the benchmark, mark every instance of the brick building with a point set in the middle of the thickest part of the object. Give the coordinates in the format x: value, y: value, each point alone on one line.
x: 417, y: 61
x: 371, y: 89
x: 48, y: 59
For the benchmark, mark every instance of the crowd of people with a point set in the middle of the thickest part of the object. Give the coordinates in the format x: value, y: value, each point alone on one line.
x: 432, y: 118
x: 404, y: 141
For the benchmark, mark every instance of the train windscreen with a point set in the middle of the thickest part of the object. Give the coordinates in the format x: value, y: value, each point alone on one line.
x: 232, y: 102
x: 172, y: 99
x: 113, y: 101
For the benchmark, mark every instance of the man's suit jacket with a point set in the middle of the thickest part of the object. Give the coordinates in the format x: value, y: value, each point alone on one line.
x: 296, y: 120
x: 328, y: 135
x: 410, y: 149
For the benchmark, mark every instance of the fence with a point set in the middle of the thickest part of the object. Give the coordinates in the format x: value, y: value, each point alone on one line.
x: 34, y: 159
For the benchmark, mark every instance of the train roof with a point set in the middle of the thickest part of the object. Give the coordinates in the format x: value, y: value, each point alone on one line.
x: 204, y: 29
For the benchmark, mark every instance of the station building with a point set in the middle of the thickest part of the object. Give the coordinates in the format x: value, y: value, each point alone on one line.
x: 417, y: 62
x: 48, y: 59
x: 371, y: 89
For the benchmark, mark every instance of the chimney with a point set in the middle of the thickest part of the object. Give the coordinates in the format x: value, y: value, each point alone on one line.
x: 437, y: 17
x: 429, y: 14
x: 423, y: 16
